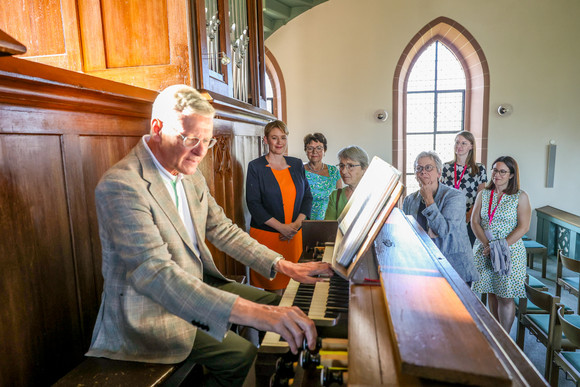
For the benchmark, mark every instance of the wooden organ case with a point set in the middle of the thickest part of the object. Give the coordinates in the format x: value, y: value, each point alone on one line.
x: 408, y: 318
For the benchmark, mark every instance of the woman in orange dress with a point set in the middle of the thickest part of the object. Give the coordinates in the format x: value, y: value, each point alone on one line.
x: 279, y: 199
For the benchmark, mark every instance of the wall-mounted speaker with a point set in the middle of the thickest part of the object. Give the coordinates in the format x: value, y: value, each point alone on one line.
x: 551, y: 164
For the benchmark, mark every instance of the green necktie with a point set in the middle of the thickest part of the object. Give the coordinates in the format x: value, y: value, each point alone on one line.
x: 174, y: 185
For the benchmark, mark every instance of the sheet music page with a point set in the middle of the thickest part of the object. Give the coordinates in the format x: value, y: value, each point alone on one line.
x: 379, y: 178
x: 364, y: 206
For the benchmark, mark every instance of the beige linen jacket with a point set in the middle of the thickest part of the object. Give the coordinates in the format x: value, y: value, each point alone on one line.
x: 154, y: 297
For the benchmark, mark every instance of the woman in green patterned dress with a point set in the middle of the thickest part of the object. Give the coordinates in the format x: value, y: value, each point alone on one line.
x: 501, y: 211
x: 353, y: 163
x: 323, y: 178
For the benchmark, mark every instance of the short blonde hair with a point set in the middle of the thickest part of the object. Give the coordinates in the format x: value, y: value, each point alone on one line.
x: 275, y: 124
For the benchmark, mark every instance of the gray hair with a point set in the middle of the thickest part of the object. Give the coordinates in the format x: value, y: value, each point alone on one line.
x: 355, y: 153
x: 181, y: 99
x: 434, y: 156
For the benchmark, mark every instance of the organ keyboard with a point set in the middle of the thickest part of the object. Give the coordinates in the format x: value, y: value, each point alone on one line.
x: 415, y: 280
x: 324, y: 302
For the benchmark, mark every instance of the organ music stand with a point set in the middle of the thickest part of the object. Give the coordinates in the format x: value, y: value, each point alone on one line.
x: 366, y: 211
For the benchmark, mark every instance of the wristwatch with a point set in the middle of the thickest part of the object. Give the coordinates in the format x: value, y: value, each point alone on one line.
x: 273, y: 272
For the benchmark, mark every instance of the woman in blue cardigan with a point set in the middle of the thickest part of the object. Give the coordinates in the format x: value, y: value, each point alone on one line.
x: 279, y: 199
x: 440, y: 210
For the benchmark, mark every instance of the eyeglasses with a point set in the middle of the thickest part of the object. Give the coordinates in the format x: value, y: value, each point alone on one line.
x: 502, y: 172
x: 192, y: 142
x: 311, y: 149
x: 420, y: 168
x: 347, y: 166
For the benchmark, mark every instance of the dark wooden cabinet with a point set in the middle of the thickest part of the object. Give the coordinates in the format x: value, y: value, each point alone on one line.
x: 61, y: 130
x: 213, y: 45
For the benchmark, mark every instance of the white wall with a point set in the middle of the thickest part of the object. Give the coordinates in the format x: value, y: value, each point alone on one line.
x: 339, y: 58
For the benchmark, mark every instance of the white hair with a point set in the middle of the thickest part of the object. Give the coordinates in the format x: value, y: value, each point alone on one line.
x: 434, y: 156
x: 181, y: 99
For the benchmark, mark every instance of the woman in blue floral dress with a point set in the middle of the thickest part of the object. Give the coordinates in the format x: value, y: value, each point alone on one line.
x: 323, y: 178
x: 501, y: 211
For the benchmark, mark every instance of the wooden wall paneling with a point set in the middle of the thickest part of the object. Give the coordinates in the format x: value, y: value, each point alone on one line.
x: 220, y: 155
x: 135, y: 33
x: 143, y: 44
x: 98, y: 154
x: 48, y: 29
x: 84, y: 125
x: 207, y: 169
x: 39, y: 326
x: 93, y: 44
x: 46, y: 38
x: 87, y: 296
x: 224, y: 171
x: 239, y: 169
x: 50, y: 278
x: 79, y: 94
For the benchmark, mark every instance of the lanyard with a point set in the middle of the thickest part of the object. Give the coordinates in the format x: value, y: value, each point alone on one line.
x: 491, y: 213
x: 457, y: 183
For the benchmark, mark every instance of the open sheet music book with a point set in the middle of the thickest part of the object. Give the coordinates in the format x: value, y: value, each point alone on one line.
x: 366, y: 211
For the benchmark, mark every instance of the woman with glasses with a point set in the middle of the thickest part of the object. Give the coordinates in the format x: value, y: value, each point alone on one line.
x: 322, y: 178
x: 464, y: 174
x: 353, y: 163
x: 279, y: 199
x: 502, y: 213
x: 440, y: 210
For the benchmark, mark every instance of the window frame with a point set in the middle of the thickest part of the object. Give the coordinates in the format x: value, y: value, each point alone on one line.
x: 470, y: 54
x: 278, y: 85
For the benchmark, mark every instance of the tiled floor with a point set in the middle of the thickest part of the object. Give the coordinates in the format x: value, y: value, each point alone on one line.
x: 534, y: 350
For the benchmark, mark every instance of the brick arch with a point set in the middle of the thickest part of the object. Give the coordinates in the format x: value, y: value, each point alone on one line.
x: 474, y: 63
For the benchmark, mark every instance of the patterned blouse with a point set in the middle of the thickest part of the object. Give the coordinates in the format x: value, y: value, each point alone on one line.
x: 321, y: 187
x: 468, y: 183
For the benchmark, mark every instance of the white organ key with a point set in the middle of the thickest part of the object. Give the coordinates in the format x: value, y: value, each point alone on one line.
x: 328, y: 253
x: 289, y: 293
x: 318, y: 303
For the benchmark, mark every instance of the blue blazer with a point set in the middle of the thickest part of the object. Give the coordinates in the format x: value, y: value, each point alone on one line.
x: 264, y: 197
x: 446, y: 218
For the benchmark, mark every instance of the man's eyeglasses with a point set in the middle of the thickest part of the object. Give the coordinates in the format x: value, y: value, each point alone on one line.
x: 311, y: 149
x: 502, y: 172
x: 420, y: 168
x: 347, y: 166
x: 192, y: 142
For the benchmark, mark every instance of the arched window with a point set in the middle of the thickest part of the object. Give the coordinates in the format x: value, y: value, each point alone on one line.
x: 269, y: 95
x: 435, y: 101
x: 446, y: 37
x: 275, y: 82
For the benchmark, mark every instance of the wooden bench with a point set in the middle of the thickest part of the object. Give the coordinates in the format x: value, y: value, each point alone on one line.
x: 95, y: 371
